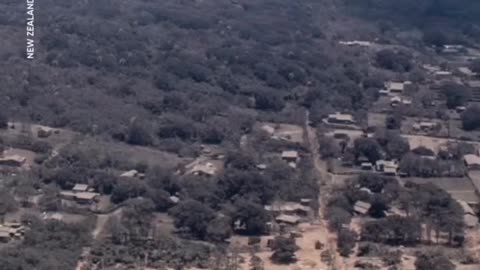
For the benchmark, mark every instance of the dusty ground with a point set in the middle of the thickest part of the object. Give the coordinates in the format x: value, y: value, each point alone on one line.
x: 287, y: 132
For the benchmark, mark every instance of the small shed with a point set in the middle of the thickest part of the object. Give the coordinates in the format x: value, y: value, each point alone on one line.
x: 290, y: 156
x: 288, y: 219
x: 362, y: 207
x: 472, y: 161
x: 13, y: 160
x: 80, y: 188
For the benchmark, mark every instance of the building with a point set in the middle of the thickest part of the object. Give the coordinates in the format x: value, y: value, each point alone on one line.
x: 80, y: 188
x: 366, y: 166
x: 207, y: 169
x: 474, y: 84
x: 11, y: 230
x: 130, y: 174
x: 395, y: 101
x: 469, y: 216
x: 466, y: 71
x: 361, y: 207
x: 356, y: 43
x: 388, y: 167
x: 442, y: 74
x: 424, y: 126
x: 288, y: 219
x: 472, y: 161
x: 341, y: 118
x: 395, y: 87
x: 13, y: 160
x: 86, y: 197
x: 288, y: 208
x: 290, y: 156
x: 383, y: 92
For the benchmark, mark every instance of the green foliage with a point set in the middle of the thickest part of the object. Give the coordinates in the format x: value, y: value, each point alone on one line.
x: 396, y: 61
x: 194, y: 216
x: 456, y: 95
x: 433, y: 260
x: 471, y: 118
x: 284, y: 250
x: 367, y: 147
x: 346, y: 242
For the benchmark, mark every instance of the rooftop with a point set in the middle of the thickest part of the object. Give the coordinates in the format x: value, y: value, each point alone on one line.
x: 86, y: 195
x: 80, y: 187
x: 474, y: 84
x: 341, y: 116
x: 290, y: 154
x: 131, y: 173
x: 362, y: 207
x: 288, y: 219
x: 395, y: 86
x: 471, y: 159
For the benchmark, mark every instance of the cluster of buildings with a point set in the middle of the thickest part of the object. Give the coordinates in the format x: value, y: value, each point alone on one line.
x: 80, y: 193
x: 10, y: 231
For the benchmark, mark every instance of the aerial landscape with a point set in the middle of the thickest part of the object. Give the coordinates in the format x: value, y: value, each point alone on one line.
x: 240, y: 135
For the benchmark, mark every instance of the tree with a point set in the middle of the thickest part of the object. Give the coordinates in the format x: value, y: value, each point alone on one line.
x: 250, y: 216
x: 7, y: 203
x: 396, y: 61
x: 397, y: 146
x: 435, y: 38
x: 219, y: 229
x: 284, y: 250
x: 194, y: 216
x: 456, y: 95
x: 394, y: 121
x: 471, y: 118
x: 475, y: 66
x: 3, y: 121
x: 127, y: 188
x: 138, y: 134
x: 367, y: 147
x: 329, y: 148
x: 433, y: 261
x: 346, y: 241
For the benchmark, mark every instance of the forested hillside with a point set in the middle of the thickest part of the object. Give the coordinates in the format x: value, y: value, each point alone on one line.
x: 178, y: 72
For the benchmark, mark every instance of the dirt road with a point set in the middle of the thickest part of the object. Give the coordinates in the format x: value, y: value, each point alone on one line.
x: 326, y: 181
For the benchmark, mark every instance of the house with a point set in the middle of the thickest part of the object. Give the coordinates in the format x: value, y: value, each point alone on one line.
x: 388, y: 167
x: 466, y: 71
x: 460, y: 109
x: 130, y: 174
x: 80, y: 188
x: 9, y: 231
x: 452, y: 49
x: 395, y: 87
x: 473, y: 84
x: 361, y: 207
x: 424, y: 126
x: 207, y: 169
x: 395, y: 101
x: 406, y: 102
x: 45, y: 132
x: 288, y: 219
x: 86, y: 197
x: 472, y: 161
x: 269, y: 129
x: 366, y: 166
x: 384, y: 92
x: 288, y: 208
x: 469, y: 216
x: 262, y: 166
x: 356, y: 43
x: 13, y: 160
x: 67, y: 195
x: 442, y: 74
x: 341, y: 118
x: 290, y: 156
